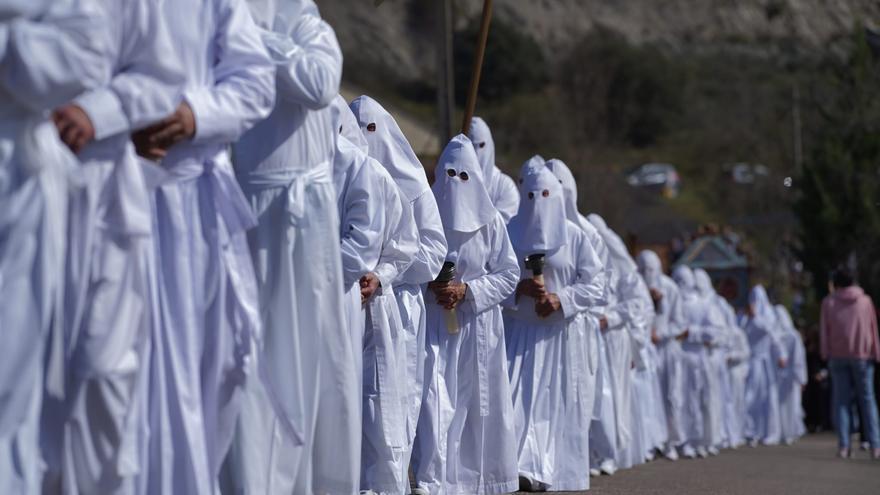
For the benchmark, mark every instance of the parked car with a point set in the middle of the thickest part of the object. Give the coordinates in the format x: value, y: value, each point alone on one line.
x: 661, y: 177
x: 747, y: 173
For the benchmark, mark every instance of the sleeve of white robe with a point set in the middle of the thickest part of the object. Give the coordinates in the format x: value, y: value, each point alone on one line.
x: 362, y: 229
x: 145, y: 90
x: 799, y: 361
x: 309, y: 68
x: 401, y: 238
x: 492, y: 288
x: 46, y: 63
x: 432, y: 241
x: 507, y: 202
x: 244, y: 88
x: 589, y: 289
x: 675, y: 322
x: 629, y: 308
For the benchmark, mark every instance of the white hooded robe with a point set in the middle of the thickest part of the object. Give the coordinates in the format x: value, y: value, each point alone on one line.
x: 548, y: 366
x: 466, y: 442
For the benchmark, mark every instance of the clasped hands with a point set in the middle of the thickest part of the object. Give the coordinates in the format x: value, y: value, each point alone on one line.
x: 448, y: 294
x: 545, y: 302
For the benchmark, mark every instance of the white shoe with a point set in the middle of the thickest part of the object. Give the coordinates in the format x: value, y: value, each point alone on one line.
x: 702, y: 452
x: 649, y: 456
x: 670, y: 453
x: 419, y: 491
x: 368, y: 492
x: 608, y: 466
x: 713, y: 451
x: 688, y: 452
x: 594, y: 472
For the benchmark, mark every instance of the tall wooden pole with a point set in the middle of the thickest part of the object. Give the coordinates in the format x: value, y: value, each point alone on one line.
x: 478, y: 66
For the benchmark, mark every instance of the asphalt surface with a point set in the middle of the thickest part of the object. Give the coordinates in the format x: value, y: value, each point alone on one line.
x: 809, y: 467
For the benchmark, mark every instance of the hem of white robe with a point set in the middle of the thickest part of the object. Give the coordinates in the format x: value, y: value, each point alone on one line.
x: 486, y: 487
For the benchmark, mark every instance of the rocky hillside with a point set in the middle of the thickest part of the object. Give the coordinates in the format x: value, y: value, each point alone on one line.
x: 397, y: 35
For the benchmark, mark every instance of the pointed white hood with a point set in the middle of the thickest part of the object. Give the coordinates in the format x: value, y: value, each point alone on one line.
x: 618, y: 254
x: 389, y: 147
x: 461, y: 194
x: 684, y: 277
x: 484, y: 145
x: 563, y: 173
x: 704, y: 283
x: 651, y: 268
x: 763, y: 311
x: 539, y: 226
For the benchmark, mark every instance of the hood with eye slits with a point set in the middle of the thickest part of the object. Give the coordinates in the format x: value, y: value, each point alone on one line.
x: 539, y: 226
x: 390, y: 147
x: 461, y: 195
x: 484, y: 145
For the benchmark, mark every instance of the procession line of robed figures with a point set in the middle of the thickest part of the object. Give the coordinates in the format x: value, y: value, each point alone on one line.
x: 217, y: 276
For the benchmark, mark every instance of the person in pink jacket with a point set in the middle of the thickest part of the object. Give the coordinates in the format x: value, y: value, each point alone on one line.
x: 851, y: 346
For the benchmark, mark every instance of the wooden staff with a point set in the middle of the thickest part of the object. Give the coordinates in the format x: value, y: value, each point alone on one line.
x: 478, y: 66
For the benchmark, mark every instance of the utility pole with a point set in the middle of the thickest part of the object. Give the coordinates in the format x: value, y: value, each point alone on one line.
x: 483, y: 37
x: 797, y: 130
x: 445, y: 79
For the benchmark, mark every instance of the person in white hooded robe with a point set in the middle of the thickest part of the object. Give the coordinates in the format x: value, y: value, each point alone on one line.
x: 603, y: 431
x: 626, y: 335
x: 500, y: 186
x: 389, y: 146
x: 668, y: 329
x: 738, y: 366
x: 720, y: 355
x: 702, y: 387
x: 94, y: 435
x: 767, y: 355
x: 285, y: 166
x: 792, y: 379
x: 547, y: 365
x: 207, y: 312
x: 50, y: 52
x: 379, y: 242
x: 466, y: 442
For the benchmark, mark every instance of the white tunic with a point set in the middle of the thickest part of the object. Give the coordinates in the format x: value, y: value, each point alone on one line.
x: 48, y: 55
x: 547, y: 367
x: 738, y: 368
x: 100, y: 425
x: 208, y: 311
x: 309, y: 375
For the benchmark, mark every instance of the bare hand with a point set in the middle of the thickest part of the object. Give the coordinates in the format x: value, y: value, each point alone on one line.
x: 547, y: 305
x: 782, y: 363
x: 656, y: 296
x: 449, y: 294
x: 529, y: 287
x: 603, y: 323
x: 369, y: 284
x: 154, y: 141
x: 682, y: 336
x: 655, y: 339
x: 74, y: 126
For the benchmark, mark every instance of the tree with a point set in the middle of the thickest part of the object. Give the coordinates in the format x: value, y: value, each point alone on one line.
x: 839, y: 203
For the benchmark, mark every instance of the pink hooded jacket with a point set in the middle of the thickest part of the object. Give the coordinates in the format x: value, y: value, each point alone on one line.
x: 849, y: 325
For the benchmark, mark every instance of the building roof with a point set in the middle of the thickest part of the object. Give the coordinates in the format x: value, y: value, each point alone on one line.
x: 712, y: 252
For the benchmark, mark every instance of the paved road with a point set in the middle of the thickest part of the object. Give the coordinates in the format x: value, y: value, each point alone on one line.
x: 807, y: 468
